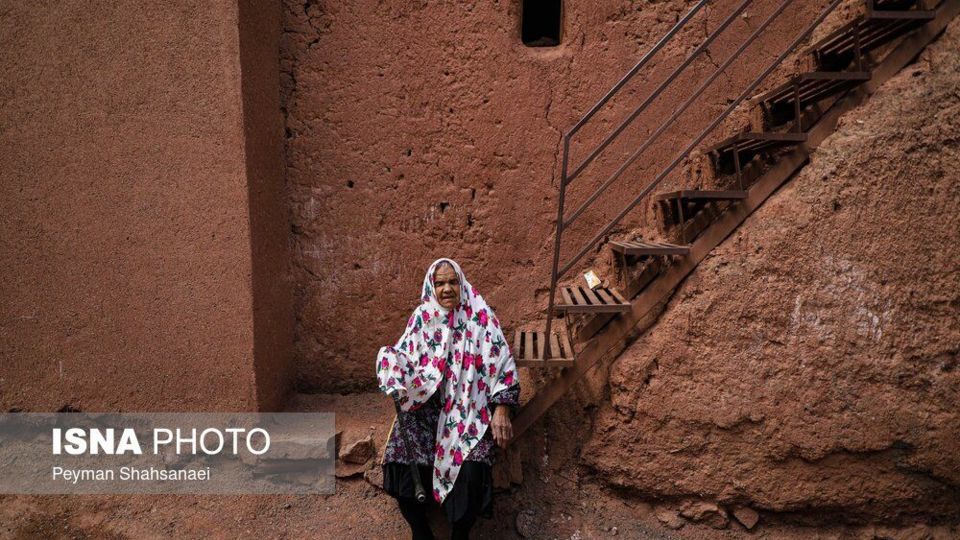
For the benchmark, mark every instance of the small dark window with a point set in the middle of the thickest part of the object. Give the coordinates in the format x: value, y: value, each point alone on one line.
x: 540, y: 25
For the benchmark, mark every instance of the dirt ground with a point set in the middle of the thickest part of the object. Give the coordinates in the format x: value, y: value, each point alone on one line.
x: 555, y: 500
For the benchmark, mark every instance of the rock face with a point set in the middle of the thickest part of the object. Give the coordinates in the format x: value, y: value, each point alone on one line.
x: 747, y: 516
x: 810, y: 364
x: 354, y: 459
x: 669, y: 518
x: 358, y: 452
x: 706, y: 512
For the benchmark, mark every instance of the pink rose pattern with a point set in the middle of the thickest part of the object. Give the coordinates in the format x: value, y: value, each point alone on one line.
x: 419, y: 444
x: 480, y: 366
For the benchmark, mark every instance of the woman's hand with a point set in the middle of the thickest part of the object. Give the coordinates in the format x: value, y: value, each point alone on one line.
x: 501, y: 426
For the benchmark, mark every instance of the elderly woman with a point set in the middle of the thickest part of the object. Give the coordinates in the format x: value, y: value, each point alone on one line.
x: 452, y: 377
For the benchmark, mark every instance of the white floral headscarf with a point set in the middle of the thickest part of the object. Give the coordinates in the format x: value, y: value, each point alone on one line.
x: 482, y: 365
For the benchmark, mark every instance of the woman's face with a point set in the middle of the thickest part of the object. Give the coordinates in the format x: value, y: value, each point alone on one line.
x: 447, y: 286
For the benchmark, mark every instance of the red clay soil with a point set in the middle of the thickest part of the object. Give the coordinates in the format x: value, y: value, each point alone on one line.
x: 558, y: 499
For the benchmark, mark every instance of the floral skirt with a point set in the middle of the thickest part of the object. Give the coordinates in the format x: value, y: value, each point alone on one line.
x: 472, y: 493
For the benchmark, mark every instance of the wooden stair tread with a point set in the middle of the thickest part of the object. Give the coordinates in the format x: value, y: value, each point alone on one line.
x: 702, y: 194
x: 640, y: 247
x: 757, y: 142
x: 528, y: 349
x: 907, y: 14
x: 813, y: 86
x: 587, y: 300
x: 877, y: 28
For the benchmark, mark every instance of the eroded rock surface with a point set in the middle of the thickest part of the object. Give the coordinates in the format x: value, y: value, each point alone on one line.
x: 809, y: 364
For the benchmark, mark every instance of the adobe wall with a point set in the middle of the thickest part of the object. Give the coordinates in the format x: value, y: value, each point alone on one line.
x: 125, y: 227
x: 417, y: 130
x: 269, y: 221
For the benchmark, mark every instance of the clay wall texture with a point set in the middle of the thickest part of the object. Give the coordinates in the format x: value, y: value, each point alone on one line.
x: 269, y: 221
x: 417, y: 130
x: 810, y: 363
x: 125, y: 229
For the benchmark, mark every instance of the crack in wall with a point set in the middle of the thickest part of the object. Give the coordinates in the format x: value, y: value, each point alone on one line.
x: 558, y: 153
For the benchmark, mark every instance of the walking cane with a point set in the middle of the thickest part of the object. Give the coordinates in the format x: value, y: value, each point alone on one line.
x: 418, y: 490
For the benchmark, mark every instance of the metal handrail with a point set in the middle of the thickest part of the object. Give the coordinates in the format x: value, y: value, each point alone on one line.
x: 573, y: 131
x: 656, y: 93
x: 663, y: 127
x: 636, y: 68
x: 556, y: 273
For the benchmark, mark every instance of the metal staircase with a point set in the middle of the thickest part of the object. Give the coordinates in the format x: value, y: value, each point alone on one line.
x: 796, y: 117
